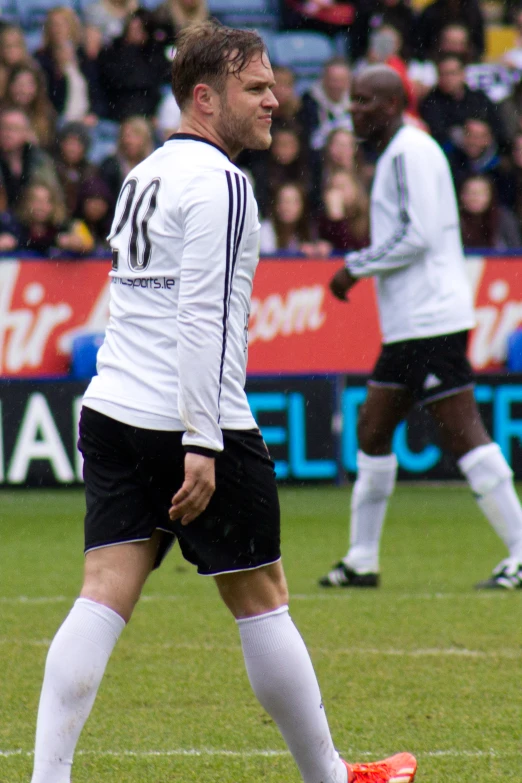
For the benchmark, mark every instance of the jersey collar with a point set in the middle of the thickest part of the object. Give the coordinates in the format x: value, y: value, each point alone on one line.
x: 193, y: 137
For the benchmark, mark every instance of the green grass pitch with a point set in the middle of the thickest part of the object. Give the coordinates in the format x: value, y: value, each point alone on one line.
x: 424, y: 664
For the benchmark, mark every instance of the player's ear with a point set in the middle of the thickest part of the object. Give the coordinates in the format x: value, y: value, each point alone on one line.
x: 204, y: 98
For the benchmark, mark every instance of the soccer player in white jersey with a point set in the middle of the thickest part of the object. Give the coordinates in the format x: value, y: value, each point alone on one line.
x: 171, y: 450
x: 425, y: 309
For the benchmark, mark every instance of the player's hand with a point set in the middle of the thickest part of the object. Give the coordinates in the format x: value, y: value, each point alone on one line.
x: 341, y: 283
x: 199, y: 485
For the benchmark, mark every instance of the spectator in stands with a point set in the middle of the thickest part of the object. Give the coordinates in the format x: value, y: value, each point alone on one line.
x: 20, y: 161
x: 375, y: 14
x: 327, y: 104
x: 8, y: 232
x: 340, y: 153
x: 448, y: 105
x: 132, y: 69
x: 286, y: 162
x: 135, y: 142
x: 441, y: 13
x: 290, y: 103
x: 168, y: 117
x: 455, y: 39
x: 479, y: 154
x: 109, y: 16
x: 384, y: 48
x: 344, y: 221
x: 171, y: 16
x: 44, y: 225
x: 72, y: 165
x: 514, y: 178
x: 72, y: 77
x: 26, y: 90
x: 511, y: 111
x: 13, y: 51
x: 96, y: 207
x: 483, y: 223
x: 290, y: 225
x: 330, y: 17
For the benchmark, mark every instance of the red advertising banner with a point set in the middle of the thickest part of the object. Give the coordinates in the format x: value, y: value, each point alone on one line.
x: 296, y: 326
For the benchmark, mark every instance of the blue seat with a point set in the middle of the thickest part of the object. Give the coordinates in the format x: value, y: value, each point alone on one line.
x: 246, y: 13
x: 305, y: 53
x: 514, y: 351
x: 32, y: 13
x: 83, y: 355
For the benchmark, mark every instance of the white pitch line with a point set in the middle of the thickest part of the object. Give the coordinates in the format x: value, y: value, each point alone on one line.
x: 343, y: 596
x: 429, y: 652
x: 202, y: 752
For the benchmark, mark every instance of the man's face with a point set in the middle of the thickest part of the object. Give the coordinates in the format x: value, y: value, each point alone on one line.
x: 370, y: 112
x: 454, y: 40
x: 284, y: 86
x: 336, y: 81
x: 14, y: 131
x: 451, y: 77
x: 477, y: 138
x: 245, y: 108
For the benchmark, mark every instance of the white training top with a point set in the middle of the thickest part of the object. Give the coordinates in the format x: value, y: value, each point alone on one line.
x: 185, y: 245
x: 416, y: 249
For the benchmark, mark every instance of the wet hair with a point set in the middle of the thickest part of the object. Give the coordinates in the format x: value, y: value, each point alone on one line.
x: 207, y: 53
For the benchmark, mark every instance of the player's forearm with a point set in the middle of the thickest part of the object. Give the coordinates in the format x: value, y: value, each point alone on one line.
x: 200, y: 375
x: 403, y: 248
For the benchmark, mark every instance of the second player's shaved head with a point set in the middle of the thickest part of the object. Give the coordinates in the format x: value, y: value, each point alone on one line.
x: 384, y: 82
x: 378, y: 101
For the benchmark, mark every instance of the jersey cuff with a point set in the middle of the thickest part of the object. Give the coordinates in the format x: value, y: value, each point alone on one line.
x: 202, y: 451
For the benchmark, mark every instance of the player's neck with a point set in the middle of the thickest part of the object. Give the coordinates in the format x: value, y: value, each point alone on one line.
x: 393, y: 128
x: 196, y: 128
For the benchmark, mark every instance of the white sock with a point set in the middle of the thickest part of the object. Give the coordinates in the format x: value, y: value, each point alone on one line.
x: 374, y: 485
x: 283, y: 679
x: 491, y: 480
x: 75, y: 665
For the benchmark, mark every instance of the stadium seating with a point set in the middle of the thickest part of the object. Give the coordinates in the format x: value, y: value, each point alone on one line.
x: 304, y: 52
x: 499, y: 39
x: 83, y: 355
x: 246, y: 13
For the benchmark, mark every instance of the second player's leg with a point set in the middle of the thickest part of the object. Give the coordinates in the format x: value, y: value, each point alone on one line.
x: 385, y: 407
x: 462, y: 433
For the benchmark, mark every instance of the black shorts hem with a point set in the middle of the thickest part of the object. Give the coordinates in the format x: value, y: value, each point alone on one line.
x: 448, y: 393
x: 239, y: 568
x: 165, y: 545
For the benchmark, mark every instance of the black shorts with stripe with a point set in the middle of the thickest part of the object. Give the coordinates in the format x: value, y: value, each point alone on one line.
x: 429, y: 367
x: 132, y: 473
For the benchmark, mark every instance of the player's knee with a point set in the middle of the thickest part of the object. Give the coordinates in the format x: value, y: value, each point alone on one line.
x: 485, y: 467
x: 255, y: 592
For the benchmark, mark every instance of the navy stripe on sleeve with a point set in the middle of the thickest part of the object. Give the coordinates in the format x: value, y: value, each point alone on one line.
x: 228, y: 264
x: 370, y: 255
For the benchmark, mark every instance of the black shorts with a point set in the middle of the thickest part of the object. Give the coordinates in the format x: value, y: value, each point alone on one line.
x: 132, y: 473
x: 430, y: 368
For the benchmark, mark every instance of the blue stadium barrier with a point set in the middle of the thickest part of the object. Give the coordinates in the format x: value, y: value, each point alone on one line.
x: 514, y: 351
x: 83, y: 355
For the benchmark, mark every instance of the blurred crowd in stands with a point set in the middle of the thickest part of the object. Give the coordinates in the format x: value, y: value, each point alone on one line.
x: 88, y: 98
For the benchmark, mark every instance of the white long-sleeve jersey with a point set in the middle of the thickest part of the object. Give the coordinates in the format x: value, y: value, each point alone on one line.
x: 416, y: 250
x: 185, y: 245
